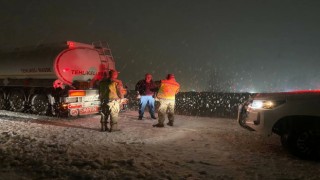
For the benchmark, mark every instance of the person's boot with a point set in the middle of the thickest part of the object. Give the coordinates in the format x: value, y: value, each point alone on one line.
x: 140, y: 118
x: 102, y: 120
x: 106, y: 128
x: 102, y: 127
x: 114, y: 128
x: 170, y: 123
x: 153, y: 117
x: 158, y: 125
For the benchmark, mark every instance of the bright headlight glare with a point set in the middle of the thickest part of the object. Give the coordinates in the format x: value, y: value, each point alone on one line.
x: 265, y: 104
x: 257, y: 104
x: 268, y: 104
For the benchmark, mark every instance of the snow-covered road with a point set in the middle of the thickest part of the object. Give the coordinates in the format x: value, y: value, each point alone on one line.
x: 195, y: 148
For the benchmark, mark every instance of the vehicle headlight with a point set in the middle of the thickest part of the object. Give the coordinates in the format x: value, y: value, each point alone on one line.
x: 265, y: 104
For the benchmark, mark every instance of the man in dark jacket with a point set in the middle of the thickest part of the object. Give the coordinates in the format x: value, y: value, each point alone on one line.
x: 145, y: 92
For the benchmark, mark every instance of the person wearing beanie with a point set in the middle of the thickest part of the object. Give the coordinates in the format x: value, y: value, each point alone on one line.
x: 145, y: 93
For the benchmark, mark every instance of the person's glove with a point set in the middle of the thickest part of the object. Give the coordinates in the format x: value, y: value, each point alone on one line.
x: 138, y: 96
x: 124, y: 101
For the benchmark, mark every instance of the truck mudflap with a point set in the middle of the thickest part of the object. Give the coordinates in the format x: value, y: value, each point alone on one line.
x: 242, y: 115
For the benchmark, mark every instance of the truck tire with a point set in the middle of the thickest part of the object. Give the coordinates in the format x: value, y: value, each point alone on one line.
x: 17, y: 100
x: 39, y: 104
x: 3, y: 102
x: 304, y: 143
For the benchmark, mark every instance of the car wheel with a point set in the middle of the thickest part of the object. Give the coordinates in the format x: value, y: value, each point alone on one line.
x: 304, y: 144
x: 284, y: 140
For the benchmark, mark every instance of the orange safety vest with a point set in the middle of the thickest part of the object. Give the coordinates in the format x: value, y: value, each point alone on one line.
x: 168, y: 89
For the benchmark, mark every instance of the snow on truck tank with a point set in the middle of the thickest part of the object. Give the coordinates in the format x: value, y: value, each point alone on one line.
x: 52, y: 61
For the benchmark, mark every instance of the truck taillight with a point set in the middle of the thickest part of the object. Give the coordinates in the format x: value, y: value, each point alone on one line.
x: 64, y: 106
x: 73, y: 93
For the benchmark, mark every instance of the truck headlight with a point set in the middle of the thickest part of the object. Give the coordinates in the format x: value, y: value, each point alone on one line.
x: 265, y: 104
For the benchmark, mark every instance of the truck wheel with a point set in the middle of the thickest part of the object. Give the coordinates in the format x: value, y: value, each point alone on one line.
x: 2, y: 100
x: 39, y: 104
x: 304, y: 144
x: 17, y: 100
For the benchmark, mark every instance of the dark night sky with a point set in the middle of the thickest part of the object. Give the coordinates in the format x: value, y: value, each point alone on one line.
x: 222, y: 45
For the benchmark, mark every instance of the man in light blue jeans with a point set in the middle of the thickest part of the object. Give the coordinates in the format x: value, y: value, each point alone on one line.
x: 145, y: 91
x: 146, y: 100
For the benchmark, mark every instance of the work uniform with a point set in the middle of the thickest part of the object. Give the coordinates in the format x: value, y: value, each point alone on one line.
x: 166, y: 95
x: 110, y: 95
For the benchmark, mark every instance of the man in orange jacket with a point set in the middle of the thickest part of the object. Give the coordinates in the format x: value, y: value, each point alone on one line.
x: 169, y: 87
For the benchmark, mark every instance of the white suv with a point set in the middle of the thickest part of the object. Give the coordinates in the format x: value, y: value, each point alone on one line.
x: 294, y: 116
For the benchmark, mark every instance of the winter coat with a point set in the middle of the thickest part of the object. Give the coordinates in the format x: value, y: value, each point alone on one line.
x: 145, y: 88
x: 111, y: 89
x: 168, y: 89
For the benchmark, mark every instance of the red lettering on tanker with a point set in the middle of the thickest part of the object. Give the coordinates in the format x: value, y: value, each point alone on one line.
x: 89, y: 110
x: 35, y: 70
x: 71, y: 106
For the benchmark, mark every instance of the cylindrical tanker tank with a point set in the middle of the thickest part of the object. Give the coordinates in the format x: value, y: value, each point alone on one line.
x: 33, y: 79
x: 62, y: 62
x: 29, y: 63
x: 78, y: 64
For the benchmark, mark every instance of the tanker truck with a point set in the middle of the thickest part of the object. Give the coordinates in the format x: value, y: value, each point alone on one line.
x: 57, y: 79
